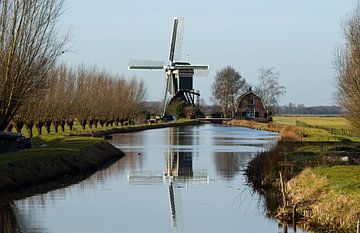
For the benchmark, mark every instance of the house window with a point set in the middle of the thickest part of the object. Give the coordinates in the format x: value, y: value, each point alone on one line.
x: 250, y: 100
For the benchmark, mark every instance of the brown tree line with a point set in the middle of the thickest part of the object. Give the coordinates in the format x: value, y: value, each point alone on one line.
x: 94, y: 98
x: 347, y: 65
x: 34, y: 92
x: 29, y: 47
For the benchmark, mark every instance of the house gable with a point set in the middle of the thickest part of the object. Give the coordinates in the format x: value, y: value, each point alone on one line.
x: 250, y: 106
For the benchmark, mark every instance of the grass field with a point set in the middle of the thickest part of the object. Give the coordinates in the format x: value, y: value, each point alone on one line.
x: 321, y: 128
x: 321, y: 121
x: 333, y: 194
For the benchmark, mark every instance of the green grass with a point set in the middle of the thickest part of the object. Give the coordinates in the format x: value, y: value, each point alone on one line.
x: 50, y: 145
x: 341, y: 179
x: 61, y: 143
x: 333, y: 194
x: 329, y: 122
x: 329, y: 128
x: 77, y: 128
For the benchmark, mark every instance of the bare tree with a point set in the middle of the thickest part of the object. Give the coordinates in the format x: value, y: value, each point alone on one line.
x: 269, y: 87
x: 226, y: 89
x: 347, y: 65
x: 29, y: 46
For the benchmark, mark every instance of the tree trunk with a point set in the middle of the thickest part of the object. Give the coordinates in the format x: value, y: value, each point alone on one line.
x: 18, y: 126
x: 91, y: 122
x: 56, y: 126
x: 62, y: 125
x: 48, y: 126
x: 39, y: 126
x: 83, y: 123
x: 70, y: 123
x: 96, y: 123
x: 29, y: 126
x: 10, y: 127
x: 102, y: 123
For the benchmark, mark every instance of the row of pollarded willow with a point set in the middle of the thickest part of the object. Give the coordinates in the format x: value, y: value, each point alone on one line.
x: 29, y: 47
x: 91, y: 96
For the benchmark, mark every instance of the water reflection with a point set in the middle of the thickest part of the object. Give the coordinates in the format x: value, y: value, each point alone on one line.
x: 230, y: 164
x: 8, y: 222
x: 186, y: 179
x: 178, y: 170
x: 14, y: 221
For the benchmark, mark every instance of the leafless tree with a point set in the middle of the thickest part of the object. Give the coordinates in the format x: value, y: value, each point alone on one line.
x: 29, y: 47
x: 226, y: 89
x: 269, y: 87
x: 347, y: 65
x: 87, y: 95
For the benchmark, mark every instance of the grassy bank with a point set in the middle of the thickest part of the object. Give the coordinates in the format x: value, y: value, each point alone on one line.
x: 67, y: 154
x: 139, y: 127
x: 96, y: 131
x: 331, y: 193
x: 53, y: 157
x: 316, y: 181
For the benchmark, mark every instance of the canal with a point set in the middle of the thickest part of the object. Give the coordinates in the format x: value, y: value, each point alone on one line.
x: 186, y: 179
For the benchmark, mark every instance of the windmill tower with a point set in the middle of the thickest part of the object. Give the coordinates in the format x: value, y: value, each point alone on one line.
x: 179, y: 75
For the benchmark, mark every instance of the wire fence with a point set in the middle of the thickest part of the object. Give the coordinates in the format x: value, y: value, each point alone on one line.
x: 335, y: 131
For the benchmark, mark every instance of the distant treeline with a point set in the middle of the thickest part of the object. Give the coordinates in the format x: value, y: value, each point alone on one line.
x: 301, y: 109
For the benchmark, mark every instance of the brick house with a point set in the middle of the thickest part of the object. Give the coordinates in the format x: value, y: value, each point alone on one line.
x: 250, y: 106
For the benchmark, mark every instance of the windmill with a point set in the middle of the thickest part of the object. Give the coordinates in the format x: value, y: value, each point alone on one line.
x: 179, y: 75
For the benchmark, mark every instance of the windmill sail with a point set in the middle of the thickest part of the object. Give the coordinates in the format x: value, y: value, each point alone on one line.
x: 135, y: 64
x: 176, y: 40
x: 179, y: 75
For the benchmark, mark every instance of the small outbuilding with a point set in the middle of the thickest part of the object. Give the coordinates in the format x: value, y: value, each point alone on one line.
x: 250, y: 106
x: 9, y: 141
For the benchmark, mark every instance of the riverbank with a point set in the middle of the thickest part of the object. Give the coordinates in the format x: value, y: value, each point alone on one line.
x: 54, y: 158
x: 136, y: 128
x: 321, y: 175
x: 62, y: 157
x: 323, y: 184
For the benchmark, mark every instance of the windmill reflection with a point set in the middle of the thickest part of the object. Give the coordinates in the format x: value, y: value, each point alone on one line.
x: 179, y: 170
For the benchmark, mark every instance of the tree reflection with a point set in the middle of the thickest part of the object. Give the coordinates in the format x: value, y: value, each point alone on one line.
x: 13, y: 221
x: 8, y: 223
x: 229, y: 164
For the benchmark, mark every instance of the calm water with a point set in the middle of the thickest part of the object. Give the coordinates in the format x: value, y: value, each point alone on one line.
x: 187, y: 179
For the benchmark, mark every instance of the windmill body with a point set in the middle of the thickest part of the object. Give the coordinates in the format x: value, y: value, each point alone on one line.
x: 179, y: 75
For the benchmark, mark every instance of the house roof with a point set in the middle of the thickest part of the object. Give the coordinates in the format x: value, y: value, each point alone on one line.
x: 250, y: 91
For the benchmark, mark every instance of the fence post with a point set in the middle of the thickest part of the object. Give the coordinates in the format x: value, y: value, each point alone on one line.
x: 358, y: 227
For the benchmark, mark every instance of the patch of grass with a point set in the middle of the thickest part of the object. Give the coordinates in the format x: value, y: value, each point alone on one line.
x: 77, y: 128
x: 333, y: 194
x: 308, y: 149
x: 50, y: 145
x: 329, y: 122
x: 341, y: 179
x: 328, y: 131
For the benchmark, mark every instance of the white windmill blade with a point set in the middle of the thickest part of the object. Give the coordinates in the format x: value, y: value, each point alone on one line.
x: 194, y: 67
x: 136, y: 64
x: 176, y: 39
x: 200, y: 70
x: 201, y: 73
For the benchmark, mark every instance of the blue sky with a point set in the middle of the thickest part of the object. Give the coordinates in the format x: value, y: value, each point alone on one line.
x: 298, y: 38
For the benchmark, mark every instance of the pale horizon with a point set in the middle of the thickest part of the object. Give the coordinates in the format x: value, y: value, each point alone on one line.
x: 299, y: 39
